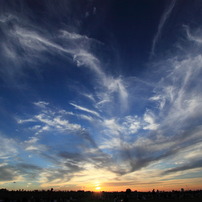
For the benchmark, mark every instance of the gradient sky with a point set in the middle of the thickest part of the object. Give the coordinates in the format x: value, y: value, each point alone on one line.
x: 101, y: 94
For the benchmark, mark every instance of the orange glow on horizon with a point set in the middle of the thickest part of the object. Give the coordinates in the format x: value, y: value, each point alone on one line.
x: 98, y: 188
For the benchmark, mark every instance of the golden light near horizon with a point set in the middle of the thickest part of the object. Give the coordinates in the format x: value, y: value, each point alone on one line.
x: 98, y: 188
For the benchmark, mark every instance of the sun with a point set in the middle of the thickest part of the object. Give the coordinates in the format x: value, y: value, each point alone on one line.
x: 98, y: 188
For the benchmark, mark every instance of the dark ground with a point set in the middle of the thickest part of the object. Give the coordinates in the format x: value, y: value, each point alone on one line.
x: 81, y: 196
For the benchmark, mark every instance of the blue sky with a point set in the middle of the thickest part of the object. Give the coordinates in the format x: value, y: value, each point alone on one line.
x: 100, y: 95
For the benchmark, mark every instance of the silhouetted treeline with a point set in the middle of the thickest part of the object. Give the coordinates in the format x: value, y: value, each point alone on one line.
x: 87, y: 196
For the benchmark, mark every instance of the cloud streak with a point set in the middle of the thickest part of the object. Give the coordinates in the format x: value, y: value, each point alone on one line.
x: 85, y: 109
x: 161, y: 25
x: 8, y: 147
x: 24, y: 43
x: 188, y: 166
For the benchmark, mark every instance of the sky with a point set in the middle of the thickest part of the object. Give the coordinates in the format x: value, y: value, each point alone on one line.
x: 100, y: 95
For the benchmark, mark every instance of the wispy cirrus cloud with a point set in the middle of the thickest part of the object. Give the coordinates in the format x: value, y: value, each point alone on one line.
x: 125, y: 127
x: 29, y: 44
x: 187, y: 166
x: 8, y: 147
x: 176, y: 98
x: 41, y: 104
x: 166, y: 14
x: 86, y: 117
x: 136, y: 141
x: 193, y: 35
x: 85, y: 109
x: 50, y: 120
x: 33, y: 145
x: 7, y: 173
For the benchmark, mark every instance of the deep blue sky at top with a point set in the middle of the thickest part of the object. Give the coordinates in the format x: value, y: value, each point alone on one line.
x: 124, y: 29
x: 127, y: 27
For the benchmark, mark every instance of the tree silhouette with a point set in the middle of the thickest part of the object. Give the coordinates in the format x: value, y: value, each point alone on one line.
x: 128, y: 191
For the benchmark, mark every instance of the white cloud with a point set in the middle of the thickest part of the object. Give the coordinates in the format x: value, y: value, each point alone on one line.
x: 55, y: 123
x: 21, y: 121
x: 33, y: 148
x: 78, y: 48
x: 65, y: 125
x: 44, y: 118
x: 89, y: 96
x: 68, y: 35
x: 88, y: 118
x: 85, y: 109
x: 193, y: 37
x: 84, y: 58
x: 32, y: 140
x: 150, y: 121
x: 112, y: 124
x: 50, y: 119
x: 131, y: 124
x: 33, y: 41
x: 181, y: 90
x: 64, y: 112
x: 102, y: 102
x: 41, y: 104
x: 8, y: 147
x: 33, y: 145
x: 7, y: 17
x: 9, y: 52
x: 117, y: 85
x: 162, y: 22
x: 36, y: 127
x: 160, y: 100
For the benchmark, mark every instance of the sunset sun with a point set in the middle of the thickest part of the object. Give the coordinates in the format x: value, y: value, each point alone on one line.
x: 98, y: 188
